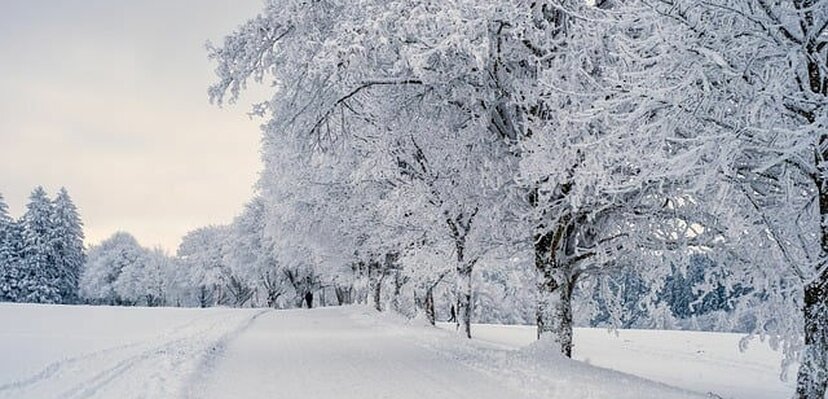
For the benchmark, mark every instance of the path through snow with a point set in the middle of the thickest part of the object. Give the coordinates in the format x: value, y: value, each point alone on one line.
x: 326, y: 353
x: 353, y: 353
x: 346, y: 352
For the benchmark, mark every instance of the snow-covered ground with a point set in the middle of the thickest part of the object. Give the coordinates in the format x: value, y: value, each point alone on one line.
x: 105, y: 352
x: 82, y: 352
x: 698, y: 361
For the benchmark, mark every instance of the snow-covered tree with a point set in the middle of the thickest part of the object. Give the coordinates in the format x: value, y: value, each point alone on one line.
x: 10, y: 261
x: 201, y: 253
x: 41, y: 278
x: 610, y: 183
x: 314, y: 220
x: 148, y: 281
x: 250, y: 256
x: 385, y: 95
x: 754, y: 73
x: 107, y: 262
x: 70, y: 257
x: 643, y: 132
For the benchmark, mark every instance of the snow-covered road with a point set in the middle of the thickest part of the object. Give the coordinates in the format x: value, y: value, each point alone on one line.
x: 329, y: 353
x: 354, y: 353
x: 348, y: 352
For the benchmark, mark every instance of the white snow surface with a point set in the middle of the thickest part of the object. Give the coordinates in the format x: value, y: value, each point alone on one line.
x: 350, y: 352
x: 705, y: 362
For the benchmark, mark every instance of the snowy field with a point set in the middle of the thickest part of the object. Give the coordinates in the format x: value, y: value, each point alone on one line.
x: 103, y: 352
x: 697, y: 361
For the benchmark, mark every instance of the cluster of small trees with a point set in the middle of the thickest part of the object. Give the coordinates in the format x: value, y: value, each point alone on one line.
x: 410, y: 144
x: 41, y: 254
x: 214, y: 266
x: 121, y: 272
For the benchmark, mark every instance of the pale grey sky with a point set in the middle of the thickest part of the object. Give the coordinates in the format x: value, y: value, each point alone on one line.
x: 108, y: 98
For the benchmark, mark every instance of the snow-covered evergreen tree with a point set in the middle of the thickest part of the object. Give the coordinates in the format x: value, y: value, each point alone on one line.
x: 41, y: 277
x: 10, y: 242
x: 69, y: 251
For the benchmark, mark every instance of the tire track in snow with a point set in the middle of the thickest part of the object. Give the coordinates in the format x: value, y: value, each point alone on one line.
x: 56, y: 367
x: 149, y: 367
x: 194, y: 386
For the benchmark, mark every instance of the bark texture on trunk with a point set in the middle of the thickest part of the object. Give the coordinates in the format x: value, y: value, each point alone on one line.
x: 343, y: 295
x: 464, y: 302
x: 555, y: 284
x: 460, y: 226
x: 399, y: 282
x: 272, y: 298
x: 430, y: 314
x: 554, y: 313
x: 812, y: 379
x: 377, y: 295
x: 376, y: 275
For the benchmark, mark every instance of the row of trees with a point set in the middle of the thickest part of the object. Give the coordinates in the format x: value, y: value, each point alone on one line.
x: 240, y: 265
x: 234, y: 265
x: 41, y: 254
x: 423, y: 142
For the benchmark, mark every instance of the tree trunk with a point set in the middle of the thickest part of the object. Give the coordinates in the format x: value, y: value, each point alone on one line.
x: 203, y: 298
x: 376, y: 289
x: 398, y: 283
x: 362, y: 294
x: 464, y: 304
x: 378, y: 296
x: 343, y: 295
x: 460, y: 227
x: 428, y: 304
x: 272, y: 297
x: 554, y: 314
x: 812, y: 379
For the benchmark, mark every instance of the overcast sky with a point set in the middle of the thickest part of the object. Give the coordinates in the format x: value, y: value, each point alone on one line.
x: 108, y: 98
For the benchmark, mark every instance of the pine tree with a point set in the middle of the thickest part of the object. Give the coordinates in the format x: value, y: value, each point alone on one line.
x: 10, y: 279
x: 9, y: 254
x: 68, y: 246
x: 39, y: 282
